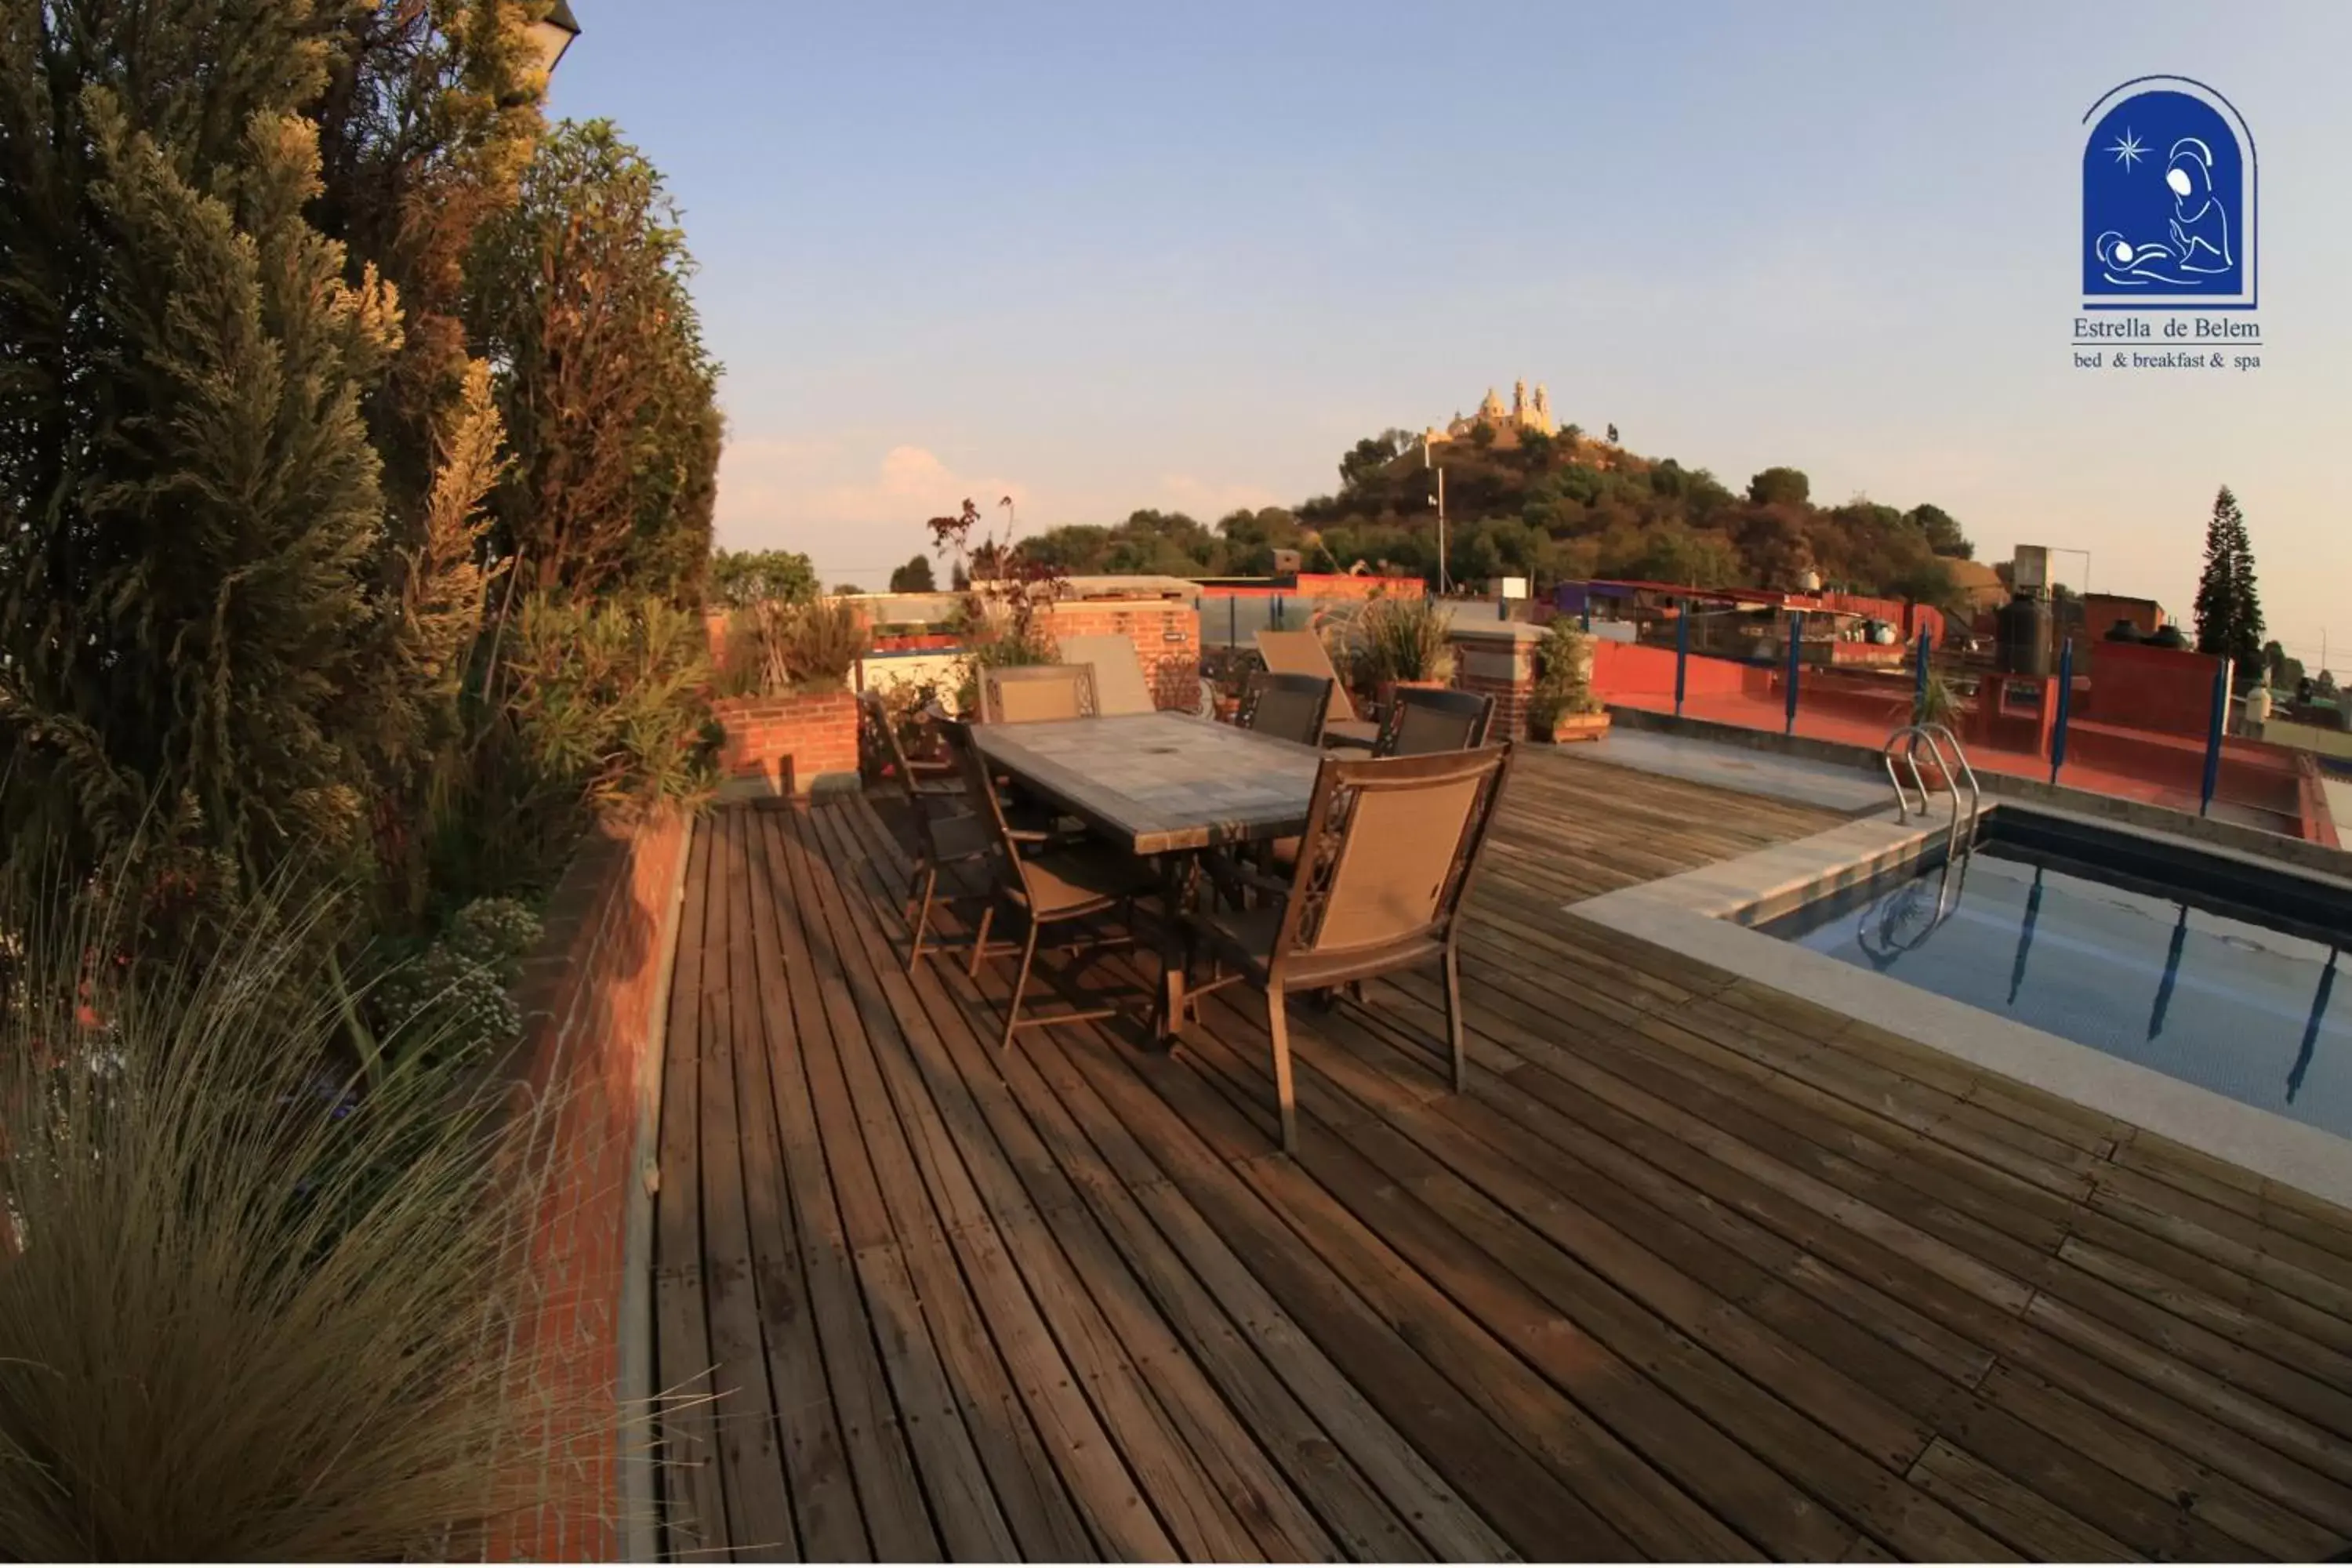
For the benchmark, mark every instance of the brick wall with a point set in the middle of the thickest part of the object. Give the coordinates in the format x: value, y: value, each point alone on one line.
x: 582, y: 1087
x: 773, y: 743
x: 1166, y: 634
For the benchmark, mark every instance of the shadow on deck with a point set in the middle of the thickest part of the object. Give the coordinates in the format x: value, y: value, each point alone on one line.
x: 1694, y: 1271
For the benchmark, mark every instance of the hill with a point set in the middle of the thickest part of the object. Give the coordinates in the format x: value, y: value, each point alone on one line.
x: 1547, y: 507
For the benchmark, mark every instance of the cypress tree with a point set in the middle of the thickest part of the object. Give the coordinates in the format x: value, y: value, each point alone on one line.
x: 2228, y: 611
x: 190, y: 506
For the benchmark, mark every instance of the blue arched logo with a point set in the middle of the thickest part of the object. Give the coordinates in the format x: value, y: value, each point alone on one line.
x: 2168, y: 200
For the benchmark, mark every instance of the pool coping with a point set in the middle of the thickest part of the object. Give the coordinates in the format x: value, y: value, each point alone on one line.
x: 1690, y: 914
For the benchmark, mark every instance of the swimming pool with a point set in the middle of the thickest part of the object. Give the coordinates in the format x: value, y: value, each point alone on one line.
x: 2212, y: 970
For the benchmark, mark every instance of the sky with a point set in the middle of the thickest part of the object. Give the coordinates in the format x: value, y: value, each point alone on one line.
x: 1099, y: 258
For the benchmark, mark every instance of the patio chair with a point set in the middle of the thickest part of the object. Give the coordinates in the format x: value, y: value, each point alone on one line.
x: 1119, y: 683
x: 1288, y: 707
x: 1035, y: 693
x: 1396, y: 843
x: 948, y: 837
x: 1060, y: 881
x: 1303, y: 653
x: 1421, y: 720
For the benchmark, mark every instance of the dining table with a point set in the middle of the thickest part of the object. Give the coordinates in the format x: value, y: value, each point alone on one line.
x: 1161, y: 786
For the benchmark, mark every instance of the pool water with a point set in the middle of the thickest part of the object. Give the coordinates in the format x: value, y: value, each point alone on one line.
x: 2171, y: 982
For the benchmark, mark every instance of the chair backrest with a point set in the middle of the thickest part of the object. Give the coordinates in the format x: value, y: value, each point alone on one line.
x: 1119, y: 685
x: 1288, y: 707
x: 1303, y: 653
x: 1424, y: 720
x: 1389, y: 848
x: 988, y: 805
x: 1034, y: 693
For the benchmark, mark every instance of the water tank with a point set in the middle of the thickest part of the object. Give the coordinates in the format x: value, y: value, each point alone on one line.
x: 2022, y: 636
x: 2167, y: 636
x: 2124, y: 631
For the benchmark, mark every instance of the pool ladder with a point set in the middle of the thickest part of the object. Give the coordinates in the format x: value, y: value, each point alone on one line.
x: 1957, y: 774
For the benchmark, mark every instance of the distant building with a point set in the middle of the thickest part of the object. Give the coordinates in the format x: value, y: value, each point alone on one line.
x: 2101, y: 611
x: 1524, y: 413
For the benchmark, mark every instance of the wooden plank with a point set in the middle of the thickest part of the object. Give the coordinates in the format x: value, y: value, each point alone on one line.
x: 759, y: 1514
x: 1363, y: 1478
x: 1036, y: 1509
x: 825, y: 1510
x: 694, y: 1510
x: 1005, y: 1233
x: 1817, y: 1306
x: 2010, y: 1512
x: 897, y: 1516
x: 965, y: 1511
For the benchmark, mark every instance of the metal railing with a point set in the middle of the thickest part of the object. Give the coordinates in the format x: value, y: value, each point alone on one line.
x: 1956, y: 772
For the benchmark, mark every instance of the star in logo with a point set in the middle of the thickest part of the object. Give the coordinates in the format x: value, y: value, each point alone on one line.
x: 2129, y: 149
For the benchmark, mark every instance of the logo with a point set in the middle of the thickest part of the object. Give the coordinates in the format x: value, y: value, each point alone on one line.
x: 2168, y: 200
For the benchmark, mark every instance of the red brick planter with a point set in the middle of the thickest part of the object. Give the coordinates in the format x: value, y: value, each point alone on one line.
x: 783, y: 745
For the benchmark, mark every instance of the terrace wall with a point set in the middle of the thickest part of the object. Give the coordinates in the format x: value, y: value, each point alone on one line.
x: 583, y: 1084
x: 787, y: 744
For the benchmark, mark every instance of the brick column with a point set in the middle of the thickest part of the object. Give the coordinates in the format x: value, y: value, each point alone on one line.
x: 1499, y: 661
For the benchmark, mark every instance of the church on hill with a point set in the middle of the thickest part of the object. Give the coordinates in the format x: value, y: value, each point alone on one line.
x: 1507, y: 424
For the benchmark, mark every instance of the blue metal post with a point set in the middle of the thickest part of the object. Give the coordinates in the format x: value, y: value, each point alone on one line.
x: 1795, y: 651
x: 2065, y: 705
x: 1232, y: 621
x: 1277, y: 612
x: 1587, y: 614
x: 1682, y: 653
x: 1919, y: 676
x: 2213, y: 732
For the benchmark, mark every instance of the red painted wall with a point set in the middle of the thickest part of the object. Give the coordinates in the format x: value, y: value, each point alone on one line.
x: 1630, y: 670
x: 2170, y: 690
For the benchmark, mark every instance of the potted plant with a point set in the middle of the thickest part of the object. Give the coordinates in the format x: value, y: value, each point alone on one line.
x: 1398, y: 641
x: 1933, y: 705
x: 1562, y: 706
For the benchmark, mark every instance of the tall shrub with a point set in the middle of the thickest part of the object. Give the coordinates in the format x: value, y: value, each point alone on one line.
x: 579, y: 294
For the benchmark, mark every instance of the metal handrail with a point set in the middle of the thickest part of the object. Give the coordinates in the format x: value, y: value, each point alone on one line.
x: 1955, y: 769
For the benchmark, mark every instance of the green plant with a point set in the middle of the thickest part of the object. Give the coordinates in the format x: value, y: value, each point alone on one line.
x: 1934, y: 703
x: 774, y: 647
x: 1564, y: 674
x: 248, y: 1313
x: 1401, y: 637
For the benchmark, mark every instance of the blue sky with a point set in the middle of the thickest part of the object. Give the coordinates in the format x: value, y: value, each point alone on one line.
x: 1106, y: 257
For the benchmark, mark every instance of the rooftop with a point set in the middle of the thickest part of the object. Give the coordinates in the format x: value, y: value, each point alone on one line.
x: 1694, y: 1270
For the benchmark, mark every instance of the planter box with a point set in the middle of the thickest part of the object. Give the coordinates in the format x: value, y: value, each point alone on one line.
x: 1572, y: 727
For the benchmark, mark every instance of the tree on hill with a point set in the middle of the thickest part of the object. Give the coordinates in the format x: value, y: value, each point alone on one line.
x: 1373, y: 455
x: 914, y: 577
x: 1780, y: 487
x: 2229, y: 609
x: 1944, y: 535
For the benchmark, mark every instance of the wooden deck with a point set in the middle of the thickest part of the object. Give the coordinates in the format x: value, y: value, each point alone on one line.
x: 1694, y: 1271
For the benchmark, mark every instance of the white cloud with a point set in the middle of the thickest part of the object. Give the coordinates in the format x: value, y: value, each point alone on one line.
x: 850, y: 509
x: 1207, y: 501
x: 857, y: 506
